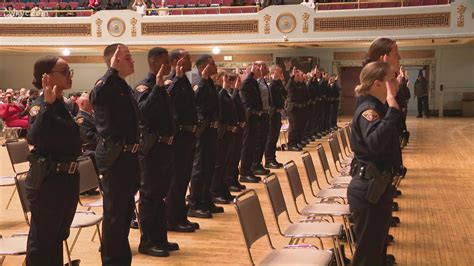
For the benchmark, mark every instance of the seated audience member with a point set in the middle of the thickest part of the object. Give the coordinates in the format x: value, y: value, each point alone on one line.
x: 94, y: 4
x: 153, y: 12
x: 36, y: 11
x: 10, y: 113
x: 71, y: 103
x: 69, y: 13
x: 308, y: 3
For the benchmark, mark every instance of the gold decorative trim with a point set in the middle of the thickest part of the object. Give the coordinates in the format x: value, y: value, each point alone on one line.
x: 305, y: 22
x: 116, y: 26
x: 266, y: 27
x: 286, y: 22
x: 461, y: 9
x: 199, y: 27
x: 98, y: 30
x: 45, y: 30
x: 134, y: 21
x: 431, y: 20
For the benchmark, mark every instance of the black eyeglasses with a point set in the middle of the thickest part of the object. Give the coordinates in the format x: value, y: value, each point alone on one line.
x: 66, y: 72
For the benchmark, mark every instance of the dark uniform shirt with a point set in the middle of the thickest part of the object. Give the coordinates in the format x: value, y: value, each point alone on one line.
x: 89, y: 135
x: 183, y: 100
x: 297, y: 92
x: 403, y: 94
x: 206, y: 100
x: 53, y: 132
x: 334, y: 92
x: 250, y: 94
x: 374, y: 137
x: 239, y: 106
x: 227, y: 110
x: 116, y: 111
x: 155, y: 108
x: 277, y: 91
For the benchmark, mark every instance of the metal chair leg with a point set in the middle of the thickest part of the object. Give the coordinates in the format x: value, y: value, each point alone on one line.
x: 75, y: 239
x: 11, y: 197
x: 68, y: 253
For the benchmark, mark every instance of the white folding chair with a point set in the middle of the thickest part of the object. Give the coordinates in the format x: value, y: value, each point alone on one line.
x: 18, y: 151
x: 12, y: 246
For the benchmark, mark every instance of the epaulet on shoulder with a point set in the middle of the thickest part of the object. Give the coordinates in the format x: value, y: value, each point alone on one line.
x: 141, y: 88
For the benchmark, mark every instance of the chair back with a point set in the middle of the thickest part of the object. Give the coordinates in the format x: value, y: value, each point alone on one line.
x: 251, y: 218
x: 324, y: 162
x: 20, y: 182
x: 334, y: 147
x: 18, y: 152
x: 275, y: 195
x: 310, y: 170
x: 345, y: 146
x: 294, y: 179
x: 88, y: 176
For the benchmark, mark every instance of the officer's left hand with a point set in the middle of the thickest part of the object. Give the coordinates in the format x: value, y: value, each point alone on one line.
x: 159, y: 77
x: 179, y: 68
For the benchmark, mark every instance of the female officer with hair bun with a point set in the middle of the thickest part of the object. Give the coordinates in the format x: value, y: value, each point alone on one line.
x: 53, y: 180
x: 374, y: 140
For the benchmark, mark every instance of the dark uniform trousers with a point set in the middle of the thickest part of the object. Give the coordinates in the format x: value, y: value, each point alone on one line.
x: 184, y: 147
x: 371, y: 223
x: 224, y: 157
x: 203, y: 169
x: 273, y: 135
x: 120, y: 183
x: 309, y: 127
x: 423, y: 105
x: 334, y: 112
x: 52, y: 210
x: 262, y: 136
x: 325, y: 108
x: 157, y: 172
x: 232, y: 168
x: 249, y: 143
x: 297, y: 120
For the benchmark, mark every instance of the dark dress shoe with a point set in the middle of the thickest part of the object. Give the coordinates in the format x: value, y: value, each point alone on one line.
x: 261, y: 172
x: 92, y: 192
x: 193, y: 224
x: 220, y: 200
x: 399, y: 192
x: 154, y: 251
x: 299, y: 145
x: 134, y: 224
x: 391, y: 238
x: 396, y: 219
x: 249, y: 179
x: 390, y: 260
x: 241, y: 186
x: 73, y: 263
x: 181, y: 227
x: 294, y: 148
x: 214, y: 209
x: 234, y: 188
x: 170, y: 246
x: 199, y: 213
x: 273, y: 165
x: 395, y: 206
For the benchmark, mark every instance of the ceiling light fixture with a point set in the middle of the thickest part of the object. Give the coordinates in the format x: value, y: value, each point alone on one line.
x: 66, y: 52
x: 216, y: 50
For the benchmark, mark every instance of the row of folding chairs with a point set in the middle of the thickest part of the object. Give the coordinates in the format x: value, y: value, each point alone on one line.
x: 317, y: 217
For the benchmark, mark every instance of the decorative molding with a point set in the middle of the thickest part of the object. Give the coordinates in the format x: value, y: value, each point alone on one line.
x: 200, y: 27
x: 45, y: 30
x: 116, y: 27
x: 405, y: 54
x: 431, y: 20
x: 98, y: 30
x: 305, y: 22
x: 286, y: 22
x: 460, y: 10
x: 134, y: 21
x: 266, y: 27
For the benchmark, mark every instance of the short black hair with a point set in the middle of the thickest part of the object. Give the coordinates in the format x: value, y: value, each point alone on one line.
x: 176, y: 54
x: 43, y: 65
x: 110, y: 50
x: 202, y: 59
x: 156, y: 52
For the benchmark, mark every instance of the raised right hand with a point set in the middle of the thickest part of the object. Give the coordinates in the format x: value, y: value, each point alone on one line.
x: 115, y: 60
x: 179, y: 68
x: 159, y: 77
x: 50, y: 92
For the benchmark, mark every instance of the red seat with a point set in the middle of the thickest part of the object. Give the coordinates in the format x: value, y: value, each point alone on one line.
x: 429, y: 2
x: 187, y: 12
x: 193, y: 3
x: 204, y: 2
x: 227, y: 2
x: 235, y: 10
x: 171, y: 3
x: 349, y: 6
x: 74, y: 5
x: 216, y: 2
x: 373, y: 5
x: 29, y: 5
x: 181, y: 3
x: 225, y: 10
x: 413, y: 3
x: 212, y: 11
x: 199, y: 11
x: 42, y: 5
x: 249, y: 9
x: 19, y: 6
x: 335, y: 7
x: 324, y: 7
x: 443, y: 2
x: 387, y: 4
x: 250, y: 2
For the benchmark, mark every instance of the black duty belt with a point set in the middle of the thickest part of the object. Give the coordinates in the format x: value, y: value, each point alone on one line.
x: 299, y: 105
x: 265, y: 112
x: 132, y: 148
x: 259, y: 113
x: 188, y: 128
x: 214, y: 124
x: 232, y: 129
x: 166, y: 140
x: 67, y: 167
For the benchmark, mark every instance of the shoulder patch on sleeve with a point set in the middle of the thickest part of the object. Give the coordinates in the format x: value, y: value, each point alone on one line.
x: 168, y: 82
x: 371, y: 115
x: 35, y: 110
x: 80, y: 120
x: 141, y: 88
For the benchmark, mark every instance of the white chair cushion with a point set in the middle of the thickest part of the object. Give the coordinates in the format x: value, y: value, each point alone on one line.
x: 15, y: 245
x: 297, y: 256
x: 313, y: 230
x: 326, y: 209
x: 85, y: 219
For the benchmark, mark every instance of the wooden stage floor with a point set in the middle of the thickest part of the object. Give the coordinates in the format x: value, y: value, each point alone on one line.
x: 436, y: 208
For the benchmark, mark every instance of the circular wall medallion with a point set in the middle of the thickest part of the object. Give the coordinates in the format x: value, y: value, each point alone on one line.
x: 286, y: 22
x: 116, y: 27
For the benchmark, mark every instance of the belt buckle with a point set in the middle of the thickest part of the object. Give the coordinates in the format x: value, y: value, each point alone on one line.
x: 72, y: 168
x: 170, y: 140
x: 135, y: 148
x: 194, y: 128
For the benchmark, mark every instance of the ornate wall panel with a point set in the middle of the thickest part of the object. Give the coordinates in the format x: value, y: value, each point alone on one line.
x: 200, y: 27
x: 45, y: 30
x: 432, y: 20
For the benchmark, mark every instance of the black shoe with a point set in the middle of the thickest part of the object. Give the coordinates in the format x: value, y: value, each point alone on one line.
x: 262, y: 171
x: 154, y: 251
x: 234, y: 188
x: 92, y: 192
x: 299, y: 145
x: 249, y: 179
x: 181, y: 227
x: 319, y: 135
x: 221, y: 200
x: 169, y: 246
x: 390, y: 238
x: 399, y: 192
x: 294, y: 148
x: 240, y: 185
x: 73, y: 263
x: 214, y: 209
x: 134, y: 224
x: 199, y: 213
x: 390, y: 259
x: 395, y: 207
x: 273, y: 165
x: 193, y: 224
x: 396, y: 219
